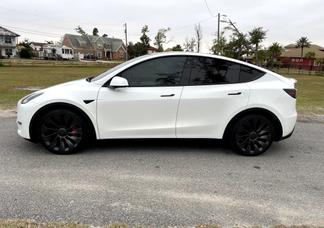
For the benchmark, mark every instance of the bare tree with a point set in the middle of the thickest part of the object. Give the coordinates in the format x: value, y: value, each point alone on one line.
x: 189, y: 45
x: 160, y: 38
x: 198, y: 34
x: 80, y: 30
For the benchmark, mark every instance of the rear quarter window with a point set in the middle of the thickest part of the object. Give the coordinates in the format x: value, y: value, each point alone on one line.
x: 248, y: 74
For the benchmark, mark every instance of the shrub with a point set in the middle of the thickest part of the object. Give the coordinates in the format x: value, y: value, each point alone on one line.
x: 26, y: 53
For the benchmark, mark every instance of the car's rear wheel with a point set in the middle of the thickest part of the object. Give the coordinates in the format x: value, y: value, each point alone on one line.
x: 62, y: 131
x: 252, y: 135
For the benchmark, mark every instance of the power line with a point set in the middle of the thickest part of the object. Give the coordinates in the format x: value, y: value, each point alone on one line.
x: 210, y: 12
x: 185, y: 26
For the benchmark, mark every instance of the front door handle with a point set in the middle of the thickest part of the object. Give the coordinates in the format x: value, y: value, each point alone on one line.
x: 167, y: 95
x: 233, y: 94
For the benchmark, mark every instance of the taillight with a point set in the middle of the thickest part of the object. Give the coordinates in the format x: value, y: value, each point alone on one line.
x: 291, y: 92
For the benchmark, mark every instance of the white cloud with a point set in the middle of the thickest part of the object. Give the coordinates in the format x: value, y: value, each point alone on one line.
x: 285, y: 21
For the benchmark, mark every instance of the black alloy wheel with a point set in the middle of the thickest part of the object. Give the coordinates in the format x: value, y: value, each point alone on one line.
x: 62, y: 131
x: 252, y: 135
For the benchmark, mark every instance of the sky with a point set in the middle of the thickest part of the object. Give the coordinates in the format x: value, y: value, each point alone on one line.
x: 285, y: 20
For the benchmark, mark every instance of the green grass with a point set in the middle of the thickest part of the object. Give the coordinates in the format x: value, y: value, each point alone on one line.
x: 13, y: 77
x: 310, y: 94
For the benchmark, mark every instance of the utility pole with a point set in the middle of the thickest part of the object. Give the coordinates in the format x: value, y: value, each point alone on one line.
x: 218, y: 29
x: 125, y: 25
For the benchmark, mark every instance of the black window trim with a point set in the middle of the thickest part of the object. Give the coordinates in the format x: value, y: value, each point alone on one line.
x: 224, y: 83
x: 183, y: 80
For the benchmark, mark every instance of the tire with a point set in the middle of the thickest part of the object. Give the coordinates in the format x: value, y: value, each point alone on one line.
x: 252, y: 135
x: 62, y: 131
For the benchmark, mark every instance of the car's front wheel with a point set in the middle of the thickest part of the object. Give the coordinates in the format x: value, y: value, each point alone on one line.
x: 62, y: 131
x: 252, y: 135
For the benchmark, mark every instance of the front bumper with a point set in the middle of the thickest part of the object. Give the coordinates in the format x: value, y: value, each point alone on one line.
x: 25, y: 113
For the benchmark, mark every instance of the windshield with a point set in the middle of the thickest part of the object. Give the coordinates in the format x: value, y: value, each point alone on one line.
x: 100, y: 76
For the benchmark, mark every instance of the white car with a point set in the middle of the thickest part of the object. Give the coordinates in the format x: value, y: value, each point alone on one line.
x: 168, y: 95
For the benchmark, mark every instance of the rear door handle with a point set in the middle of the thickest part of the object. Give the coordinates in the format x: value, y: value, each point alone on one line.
x: 233, y: 94
x: 167, y: 95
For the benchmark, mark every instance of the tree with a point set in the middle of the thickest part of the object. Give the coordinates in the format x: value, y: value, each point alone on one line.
x: 302, y: 43
x: 189, y: 45
x: 95, y: 32
x: 263, y: 56
x: 26, y: 51
x: 80, y: 30
x: 219, y: 48
x: 257, y: 35
x: 144, y: 38
x: 135, y: 50
x: 198, y: 34
x: 105, y: 35
x: 238, y: 46
x: 274, y: 51
x: 160, y: 38
x: 310, y: 55
x: 177, y: 48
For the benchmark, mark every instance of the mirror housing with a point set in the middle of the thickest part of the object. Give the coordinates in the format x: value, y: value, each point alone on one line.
x: 117, y: 82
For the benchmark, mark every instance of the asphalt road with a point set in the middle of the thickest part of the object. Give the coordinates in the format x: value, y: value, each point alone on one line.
x: 164, y: 182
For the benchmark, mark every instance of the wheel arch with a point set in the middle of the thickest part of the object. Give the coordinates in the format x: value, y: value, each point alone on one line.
x: 33, y: 130
x: 261, y: 111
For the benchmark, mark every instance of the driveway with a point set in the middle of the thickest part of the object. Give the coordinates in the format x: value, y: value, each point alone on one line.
x: 164, y: 182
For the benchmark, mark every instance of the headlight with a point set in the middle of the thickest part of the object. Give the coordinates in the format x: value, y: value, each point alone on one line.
x: 30, y: 97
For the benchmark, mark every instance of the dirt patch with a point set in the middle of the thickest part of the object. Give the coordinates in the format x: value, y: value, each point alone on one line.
x: 29, y: 88
x: 8, y: 113
x: 311, y: 118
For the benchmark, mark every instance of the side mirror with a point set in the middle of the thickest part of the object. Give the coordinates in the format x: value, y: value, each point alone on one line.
x: 117, y: 82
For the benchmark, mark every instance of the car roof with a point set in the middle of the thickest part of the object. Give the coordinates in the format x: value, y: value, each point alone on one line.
x: 181, y: 53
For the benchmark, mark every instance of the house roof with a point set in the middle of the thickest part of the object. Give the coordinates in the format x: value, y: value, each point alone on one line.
x: 94, y: 42
x: 6, y: 32
x: 291, y: 51
x: 38, y: 43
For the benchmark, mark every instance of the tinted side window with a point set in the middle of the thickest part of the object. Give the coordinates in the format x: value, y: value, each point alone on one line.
x: 165, y: 71
x: 208, y: 71
x: 248, y: 74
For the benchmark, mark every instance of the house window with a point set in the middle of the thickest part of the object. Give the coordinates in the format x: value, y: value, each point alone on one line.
x: 8, y: 52
x: 7, y: 39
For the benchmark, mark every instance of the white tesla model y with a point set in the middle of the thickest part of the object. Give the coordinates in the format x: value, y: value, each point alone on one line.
x: 168, y: 95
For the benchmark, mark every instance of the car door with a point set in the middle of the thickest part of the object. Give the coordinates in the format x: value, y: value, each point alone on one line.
x: 211, y: 97
x: 148, y: 107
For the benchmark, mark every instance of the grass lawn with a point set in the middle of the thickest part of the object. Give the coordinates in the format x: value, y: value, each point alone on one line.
x: 310, y: 88
x: 310, y: 94
x: 12, y: 78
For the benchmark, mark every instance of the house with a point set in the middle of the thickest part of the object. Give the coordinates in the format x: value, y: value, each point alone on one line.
x: 38, y: 49
x: 8, y: 42
x: 291, y: 57
x: 56, y: 51
x: 151, y: 50
x: 95, y: 47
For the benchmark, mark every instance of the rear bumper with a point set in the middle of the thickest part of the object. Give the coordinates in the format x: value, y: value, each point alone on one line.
x: 288, y: 125
x: 287, y: 136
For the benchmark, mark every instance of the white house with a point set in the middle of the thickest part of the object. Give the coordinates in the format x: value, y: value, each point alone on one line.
x: 52, y: 51
x: 38, y: 49
x: 8, y: 42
